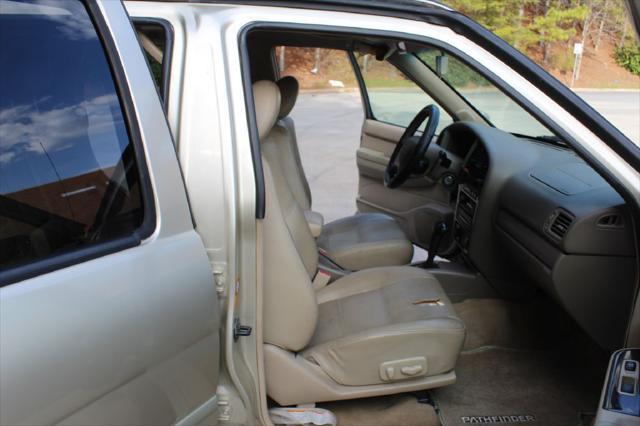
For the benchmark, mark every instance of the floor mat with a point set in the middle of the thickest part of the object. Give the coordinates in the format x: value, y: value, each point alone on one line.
x: 497, y: 322
x: 391, y: 410
x: 494, y: 384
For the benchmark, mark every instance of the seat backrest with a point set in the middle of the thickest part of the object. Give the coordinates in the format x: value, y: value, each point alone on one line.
x: 287, y: 148
x: 290, y: 251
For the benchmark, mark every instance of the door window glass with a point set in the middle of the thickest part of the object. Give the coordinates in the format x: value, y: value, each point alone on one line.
x: 68, y: 175
x: 393, y: 97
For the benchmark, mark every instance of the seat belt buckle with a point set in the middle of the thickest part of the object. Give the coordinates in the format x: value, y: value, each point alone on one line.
x: 321, y: 279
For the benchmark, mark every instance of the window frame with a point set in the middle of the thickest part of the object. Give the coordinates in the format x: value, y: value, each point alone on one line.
x: 364, y: 94
x: 167, y: 55
x: 56, y: 261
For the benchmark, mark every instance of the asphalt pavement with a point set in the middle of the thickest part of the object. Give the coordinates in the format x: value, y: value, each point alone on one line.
x: 328, y: 128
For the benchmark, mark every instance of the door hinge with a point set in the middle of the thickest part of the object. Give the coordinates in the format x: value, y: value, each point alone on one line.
x: 240, y: 330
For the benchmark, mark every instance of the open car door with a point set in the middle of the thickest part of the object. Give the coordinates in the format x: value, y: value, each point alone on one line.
x: 391, y: 100
x: 395, y: 85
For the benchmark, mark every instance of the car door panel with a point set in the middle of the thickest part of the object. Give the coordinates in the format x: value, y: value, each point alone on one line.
x: 117, y: 340
x: 417, y: 205
x: 130, y: 336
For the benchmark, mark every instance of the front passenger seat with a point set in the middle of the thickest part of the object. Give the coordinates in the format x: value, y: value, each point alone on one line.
x: 355, y: 242
x: 374, y: 332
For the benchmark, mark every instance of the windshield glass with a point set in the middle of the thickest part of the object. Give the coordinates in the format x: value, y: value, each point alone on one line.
x: 499, y: 109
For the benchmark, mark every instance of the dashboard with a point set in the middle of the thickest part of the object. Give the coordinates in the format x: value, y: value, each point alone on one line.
x: 530, y: 215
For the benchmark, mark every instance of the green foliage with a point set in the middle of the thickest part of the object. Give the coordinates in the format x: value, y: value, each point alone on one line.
x: 558, y: 23
x: 563, y: 59
x: 546, y: 29
x: 504, y: 17
x: 628, y: 57
x: 523, y: 23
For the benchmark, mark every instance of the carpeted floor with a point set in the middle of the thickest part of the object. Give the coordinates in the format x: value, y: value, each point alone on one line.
x: 496, y: 322
x: 391, y: 410
x: 506, y: 382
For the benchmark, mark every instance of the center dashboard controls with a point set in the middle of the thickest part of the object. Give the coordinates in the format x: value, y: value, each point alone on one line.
x: 464, y: 215
x: 445, y: 161
x: 470, y: 182
x: 449, y: 180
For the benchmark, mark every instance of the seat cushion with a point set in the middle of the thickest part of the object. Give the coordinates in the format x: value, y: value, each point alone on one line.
x: 364, y: 241
x: 376, y: 318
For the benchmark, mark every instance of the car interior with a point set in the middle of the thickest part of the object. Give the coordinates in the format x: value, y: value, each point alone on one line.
x: 531, y: 269
x: 526, y: 290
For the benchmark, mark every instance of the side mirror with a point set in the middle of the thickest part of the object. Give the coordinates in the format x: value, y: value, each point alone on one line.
x: 442, y: 64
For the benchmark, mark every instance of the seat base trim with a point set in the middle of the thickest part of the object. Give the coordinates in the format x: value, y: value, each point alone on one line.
x: 306, y: 383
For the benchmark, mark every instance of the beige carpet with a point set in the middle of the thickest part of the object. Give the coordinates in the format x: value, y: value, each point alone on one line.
x: 391, y: 410
x: 503, y: 382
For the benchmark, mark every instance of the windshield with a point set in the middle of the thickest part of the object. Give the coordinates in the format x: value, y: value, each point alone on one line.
x: 499, y: 109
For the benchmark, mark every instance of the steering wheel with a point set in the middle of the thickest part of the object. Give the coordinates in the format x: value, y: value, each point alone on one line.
x: 409, y: 152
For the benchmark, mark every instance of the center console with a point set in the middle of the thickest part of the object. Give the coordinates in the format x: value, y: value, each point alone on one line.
x: 471, y: 180
x: 464, y: 214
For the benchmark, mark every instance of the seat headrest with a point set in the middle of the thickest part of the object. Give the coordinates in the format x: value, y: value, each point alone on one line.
x: 289, y: 93
x: 266, y: 96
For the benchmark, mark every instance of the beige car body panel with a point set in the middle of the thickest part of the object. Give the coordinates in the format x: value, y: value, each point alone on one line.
x: 130, y: 337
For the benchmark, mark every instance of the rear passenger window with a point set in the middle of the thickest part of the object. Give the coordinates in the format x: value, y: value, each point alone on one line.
x: 155, y: 42
x: 68, y: 174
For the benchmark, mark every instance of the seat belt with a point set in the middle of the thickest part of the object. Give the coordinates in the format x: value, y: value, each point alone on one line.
x: 321, y: 279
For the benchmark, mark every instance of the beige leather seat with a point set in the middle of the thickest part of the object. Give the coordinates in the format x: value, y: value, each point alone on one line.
x: 374, y: 332
x: 356, y: 242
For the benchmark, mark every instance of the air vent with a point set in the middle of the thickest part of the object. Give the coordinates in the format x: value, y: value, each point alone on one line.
x: 612, y: 220
x: 560, y: 221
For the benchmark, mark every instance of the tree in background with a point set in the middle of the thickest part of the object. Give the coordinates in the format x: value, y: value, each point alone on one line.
x: 557, y: 24
x: 506, y: 18
x: 526, y: 23
x: 546, y: 29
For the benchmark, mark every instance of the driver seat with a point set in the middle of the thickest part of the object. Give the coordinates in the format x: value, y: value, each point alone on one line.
x: 356, y: 242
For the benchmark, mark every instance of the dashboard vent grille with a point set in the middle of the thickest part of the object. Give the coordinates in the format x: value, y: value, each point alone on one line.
x: 560, y: 223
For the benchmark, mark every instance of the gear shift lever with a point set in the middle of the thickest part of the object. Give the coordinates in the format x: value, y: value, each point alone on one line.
x: 439, y: 231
